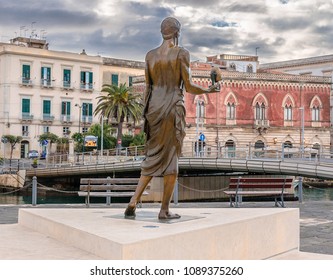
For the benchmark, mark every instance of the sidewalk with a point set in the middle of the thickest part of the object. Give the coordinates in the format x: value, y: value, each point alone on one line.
x: 316, y: 219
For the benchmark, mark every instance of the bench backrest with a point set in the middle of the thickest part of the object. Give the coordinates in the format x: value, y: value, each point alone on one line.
x: 260, y: 182
x: 101, y: 184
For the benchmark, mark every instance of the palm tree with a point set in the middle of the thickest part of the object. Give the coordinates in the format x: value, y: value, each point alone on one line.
x: 119, y: 103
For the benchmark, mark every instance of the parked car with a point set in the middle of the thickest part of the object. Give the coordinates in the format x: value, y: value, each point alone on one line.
x: 33, y: 154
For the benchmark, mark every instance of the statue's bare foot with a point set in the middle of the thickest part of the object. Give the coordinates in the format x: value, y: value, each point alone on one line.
x: 166, y: 215
x: 130, y: 211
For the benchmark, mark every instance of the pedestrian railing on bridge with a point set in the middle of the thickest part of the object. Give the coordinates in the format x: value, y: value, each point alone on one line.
x: 136, y: 153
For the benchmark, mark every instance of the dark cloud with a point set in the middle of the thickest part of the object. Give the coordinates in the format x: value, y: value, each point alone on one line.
x: 46, y: 18
x: 128, y: 29
x: 247, y: 8
x: 282, y: 24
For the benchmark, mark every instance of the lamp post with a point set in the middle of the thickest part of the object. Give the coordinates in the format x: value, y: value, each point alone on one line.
x: 80, y: 110
x: 102, y: 135
x: 302, y: 131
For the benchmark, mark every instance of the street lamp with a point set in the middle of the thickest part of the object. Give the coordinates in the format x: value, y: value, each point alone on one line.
x: 102, y: 135
x: 302, y: 131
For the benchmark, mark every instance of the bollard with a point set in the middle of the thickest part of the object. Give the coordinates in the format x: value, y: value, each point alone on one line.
x: 175, y: 193
x: 34, y: 191
x: 300, y: 189
x: 108, y: 198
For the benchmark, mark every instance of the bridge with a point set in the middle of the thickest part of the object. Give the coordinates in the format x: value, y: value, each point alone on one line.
x: 286, y: 161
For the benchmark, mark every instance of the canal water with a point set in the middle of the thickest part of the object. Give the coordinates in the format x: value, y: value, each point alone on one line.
x: 311, y: 192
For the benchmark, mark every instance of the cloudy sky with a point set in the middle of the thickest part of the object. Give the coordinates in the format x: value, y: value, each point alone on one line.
x: 276, y: 29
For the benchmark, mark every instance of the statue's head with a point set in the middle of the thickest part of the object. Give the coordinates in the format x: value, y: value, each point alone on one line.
x: 170, y: 28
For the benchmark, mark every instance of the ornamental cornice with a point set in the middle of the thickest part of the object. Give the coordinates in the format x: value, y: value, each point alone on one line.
x: 297, y: 62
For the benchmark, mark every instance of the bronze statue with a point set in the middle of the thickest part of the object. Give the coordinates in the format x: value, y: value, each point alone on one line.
x: 167, y: 73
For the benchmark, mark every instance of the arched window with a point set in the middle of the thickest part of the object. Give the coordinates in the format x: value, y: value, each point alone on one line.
x: 200, y: 109
x: 259, y: 145
x: 315, y: 107
x: 288, y: 112
x: 230, y: 103
x: 287, y: 145
x: 315, y: 150
x: 315, y: 113
x: 232, y: 66
x: 249, y: 68
x: 24, y: 149
x: 230, y: 148
x: 260, y: 111
x: 231, y: 108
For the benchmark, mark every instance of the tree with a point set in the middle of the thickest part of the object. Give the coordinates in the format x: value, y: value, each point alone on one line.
x: 120, y: 103
x: 63, y: 145
x: 139, y: 139
x: 51, y: 137
x: 12, y: 140
x: 78, y: 138
x: 126, y: 140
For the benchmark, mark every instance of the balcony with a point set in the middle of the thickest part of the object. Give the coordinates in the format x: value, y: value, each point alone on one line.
x: 261, y: 123
x: 66, y: 119
x: 26, y: 82
x: 45, y: 83
x: 47, y: 118
x: 66, y: 85
x: 27, y: 117
x: 87, y: 119
x: 86, y: 87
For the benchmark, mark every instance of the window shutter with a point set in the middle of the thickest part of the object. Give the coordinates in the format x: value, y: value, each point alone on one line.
x: 63, y: 108
x: 114, y: 79
x: 25, y: 105
x: 83, y: 77
x: 67, y: 75
x: 90, y: 109
x: 46, y: 107
x: 68, y: 108
x: 26, y: 71
x: 48, y: 73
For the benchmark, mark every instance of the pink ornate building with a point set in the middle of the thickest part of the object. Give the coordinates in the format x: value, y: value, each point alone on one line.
x: 257, y: 110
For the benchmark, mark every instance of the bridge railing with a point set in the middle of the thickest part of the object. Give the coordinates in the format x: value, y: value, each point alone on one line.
x: 251, y: 152
x: 92, y: 157
x: 209, y: 151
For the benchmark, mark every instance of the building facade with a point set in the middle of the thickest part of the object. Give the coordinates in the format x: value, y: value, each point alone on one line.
x: 257, y: 107
x: 255, y: 111
x: 260, y: 111
x: 52, y: 91
x: 311, y: 66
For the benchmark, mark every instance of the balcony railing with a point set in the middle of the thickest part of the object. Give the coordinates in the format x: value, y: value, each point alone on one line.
x: 261, y: 123
x: 26, y: 82
x: 67, y: 85
x: 87, y: 119
x: 27, y: 116
x: 65, y: 118
x: 45, y: 83
x: 86, y: 86
x: 48, y: 118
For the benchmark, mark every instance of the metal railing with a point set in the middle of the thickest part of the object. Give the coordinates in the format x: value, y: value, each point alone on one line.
x: 322, y: 156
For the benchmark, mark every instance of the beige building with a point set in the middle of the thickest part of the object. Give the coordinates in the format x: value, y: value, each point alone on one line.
x: 52, y: 91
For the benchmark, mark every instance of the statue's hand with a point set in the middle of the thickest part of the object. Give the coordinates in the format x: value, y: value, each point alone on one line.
x: 214, y: 88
